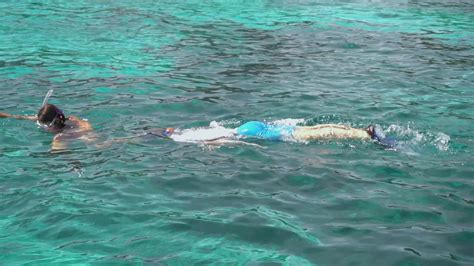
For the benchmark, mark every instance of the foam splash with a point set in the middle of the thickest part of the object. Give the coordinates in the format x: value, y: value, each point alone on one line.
x: 225, y: 123
x: 201, y: 134
x: 288, y: 122
x: 441, y: 141
x: 409, y: 136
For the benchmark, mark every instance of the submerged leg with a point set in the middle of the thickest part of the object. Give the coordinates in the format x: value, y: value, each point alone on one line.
x: 329, y: 131
x: 224, y: 141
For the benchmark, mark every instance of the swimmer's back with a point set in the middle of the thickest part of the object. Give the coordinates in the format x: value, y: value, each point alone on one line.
x: 75, y: 128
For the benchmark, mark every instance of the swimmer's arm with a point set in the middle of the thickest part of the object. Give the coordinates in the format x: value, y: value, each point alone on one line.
x: 109, y: 143
x: 57, y: 144
x: 23, y: 117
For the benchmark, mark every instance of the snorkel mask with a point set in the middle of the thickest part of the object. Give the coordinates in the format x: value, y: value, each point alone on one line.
x: 59, y: 116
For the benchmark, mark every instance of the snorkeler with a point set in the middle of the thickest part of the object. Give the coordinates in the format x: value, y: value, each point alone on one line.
x: 52, y: 119
x: 260, y: 130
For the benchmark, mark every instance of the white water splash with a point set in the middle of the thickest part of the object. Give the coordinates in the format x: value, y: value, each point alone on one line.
x: 225, y: 123
x: 442, y: 142
x: 288, y: 122
x: 408, y: 135
x: 406, y: 132
x: 200, y: 134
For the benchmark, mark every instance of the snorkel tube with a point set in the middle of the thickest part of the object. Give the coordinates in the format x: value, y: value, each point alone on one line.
x: 46, y: 98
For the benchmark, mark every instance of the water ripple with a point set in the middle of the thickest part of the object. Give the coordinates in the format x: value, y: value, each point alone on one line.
x: 131, y: 66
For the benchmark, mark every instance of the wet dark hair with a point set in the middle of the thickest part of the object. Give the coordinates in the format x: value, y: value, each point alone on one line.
x: 51, y: 115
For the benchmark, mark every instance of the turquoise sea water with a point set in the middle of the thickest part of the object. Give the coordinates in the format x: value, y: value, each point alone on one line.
x: 130, y: 65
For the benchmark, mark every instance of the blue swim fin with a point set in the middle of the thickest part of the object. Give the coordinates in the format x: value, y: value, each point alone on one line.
x: 377, y: 134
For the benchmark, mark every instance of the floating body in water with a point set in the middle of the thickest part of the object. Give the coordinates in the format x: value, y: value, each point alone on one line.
x: 255, y: 129
x: 52, y: 119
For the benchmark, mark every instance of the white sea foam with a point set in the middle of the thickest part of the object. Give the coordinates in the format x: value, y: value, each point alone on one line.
x: 442, y: 141
x: 288, y: 122
x: 408, y: 135
x: 200, y: 134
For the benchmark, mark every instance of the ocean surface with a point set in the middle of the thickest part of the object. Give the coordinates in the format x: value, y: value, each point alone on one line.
x: 128, y: 66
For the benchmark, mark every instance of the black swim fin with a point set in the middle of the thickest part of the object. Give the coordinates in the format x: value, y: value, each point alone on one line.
x: 159, y: 132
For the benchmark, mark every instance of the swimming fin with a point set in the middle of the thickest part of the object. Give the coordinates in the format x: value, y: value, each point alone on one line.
x: 377, y: 134
x: 159, y: 132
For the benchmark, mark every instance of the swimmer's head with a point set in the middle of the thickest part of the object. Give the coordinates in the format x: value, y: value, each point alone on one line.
x: 51, y: 117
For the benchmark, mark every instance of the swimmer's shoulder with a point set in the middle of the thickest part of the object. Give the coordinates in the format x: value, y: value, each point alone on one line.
x: 82, y: 124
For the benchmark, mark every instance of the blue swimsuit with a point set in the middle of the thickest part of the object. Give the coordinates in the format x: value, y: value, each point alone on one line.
x: 262, y: 130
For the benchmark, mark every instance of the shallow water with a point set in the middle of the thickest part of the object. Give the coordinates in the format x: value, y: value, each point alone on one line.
x: 127, y: 66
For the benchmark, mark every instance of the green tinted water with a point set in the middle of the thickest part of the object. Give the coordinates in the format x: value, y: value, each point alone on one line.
x: 127, y: 65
